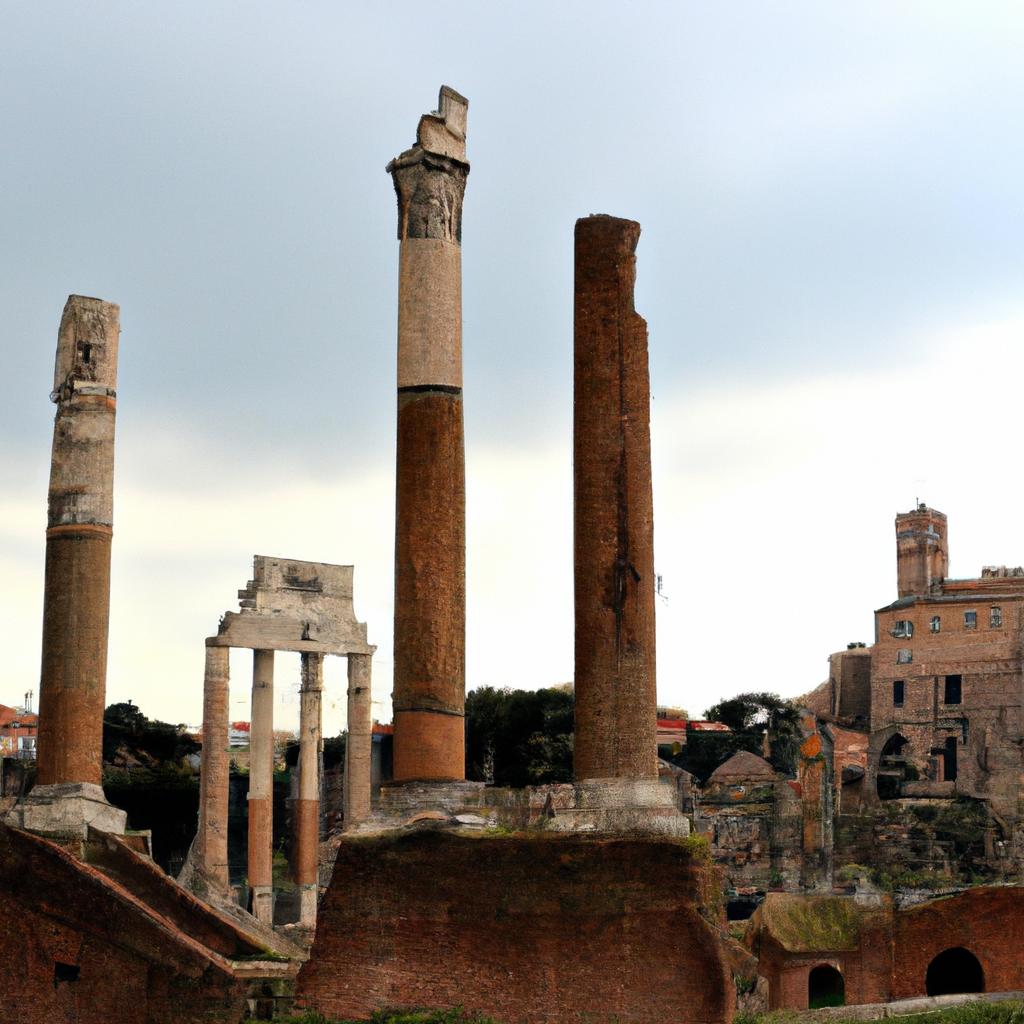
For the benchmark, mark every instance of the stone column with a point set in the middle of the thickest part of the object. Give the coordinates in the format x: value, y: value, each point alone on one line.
x: 214, y: 771
x: 613, y: 505
x: 307, y: 807
x: 261, y: 787
x: 430, y: 514
x: 359, y: 745
x: 76, y: 598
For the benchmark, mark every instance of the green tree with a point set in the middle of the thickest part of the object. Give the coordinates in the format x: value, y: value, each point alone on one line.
x: 519, y: 737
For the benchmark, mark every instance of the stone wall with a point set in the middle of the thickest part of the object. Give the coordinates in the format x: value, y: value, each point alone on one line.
x: 527, y: 928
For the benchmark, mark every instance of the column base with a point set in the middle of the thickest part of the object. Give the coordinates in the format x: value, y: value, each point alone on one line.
x: 308, y: 895
x: 263, y: 903
x: 67, y: 809
x: 634, y: 806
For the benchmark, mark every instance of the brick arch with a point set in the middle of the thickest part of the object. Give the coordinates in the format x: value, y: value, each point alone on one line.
x: 876, y: 744
x: 826, y: 986
x: 987, y: 921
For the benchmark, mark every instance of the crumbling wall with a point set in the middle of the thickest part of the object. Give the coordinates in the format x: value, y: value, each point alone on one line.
x: 528, y: 928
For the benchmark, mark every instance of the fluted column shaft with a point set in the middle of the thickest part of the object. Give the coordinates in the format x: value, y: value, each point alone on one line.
x: 359, y: 746
x: 261, y: 786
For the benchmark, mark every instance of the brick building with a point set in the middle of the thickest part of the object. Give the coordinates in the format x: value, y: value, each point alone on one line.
x: 946, y: 674
x: 18, y: 730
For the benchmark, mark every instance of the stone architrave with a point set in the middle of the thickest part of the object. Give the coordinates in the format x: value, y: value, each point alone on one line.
x: 430, y: 505
x: 613, y: 503
x: 76, y: 601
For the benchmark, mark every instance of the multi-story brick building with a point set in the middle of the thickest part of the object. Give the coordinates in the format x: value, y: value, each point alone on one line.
x: 946, y: 677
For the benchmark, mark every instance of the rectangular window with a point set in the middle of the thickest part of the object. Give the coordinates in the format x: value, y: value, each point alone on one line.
x: 936, y: 624
x: 897, y: 693
x: 970, y: 620
x: 904, y: 656
x: 953, y: 690
x: 903, y: 627
x: 995, y: 617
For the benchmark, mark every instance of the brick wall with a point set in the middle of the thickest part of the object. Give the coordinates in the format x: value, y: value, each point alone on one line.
x: 989, y: 922
x: 528, y: 928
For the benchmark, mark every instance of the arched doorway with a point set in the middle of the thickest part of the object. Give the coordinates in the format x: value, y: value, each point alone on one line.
x: 825, y: 987
x: 891, y: 767
x: 952, y: 971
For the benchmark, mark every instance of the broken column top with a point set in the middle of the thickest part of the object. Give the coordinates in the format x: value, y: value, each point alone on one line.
x: 442, y: 132
x: 430, y: 178
x: 615, y: 233
x: 86, y: 360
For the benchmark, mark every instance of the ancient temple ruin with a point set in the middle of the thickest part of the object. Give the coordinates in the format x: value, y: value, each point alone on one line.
x: 303, y: 607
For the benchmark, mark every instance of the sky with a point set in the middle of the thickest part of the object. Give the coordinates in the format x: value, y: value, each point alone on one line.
x: 830, y: 268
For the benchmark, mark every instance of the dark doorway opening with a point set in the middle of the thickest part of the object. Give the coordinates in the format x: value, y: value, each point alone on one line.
x: 949, y: 759
x: 892, y: 766
x: 741, y: 908
x: 825, y: 987
x: 953, y: 971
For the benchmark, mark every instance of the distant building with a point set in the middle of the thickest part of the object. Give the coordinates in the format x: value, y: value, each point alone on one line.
x: 18, y: 730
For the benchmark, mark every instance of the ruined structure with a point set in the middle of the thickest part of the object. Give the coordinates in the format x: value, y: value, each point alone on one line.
x: 288, y: 605
x: 835, y: 950
x: 430, y: 495
x: 946, y: 674
x: 76, y: 602
x: 613, y: 507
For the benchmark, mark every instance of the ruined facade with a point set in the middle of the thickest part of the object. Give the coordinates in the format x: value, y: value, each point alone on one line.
x: 946, y: 674
x: 288, y: 605
x: 430, y: 482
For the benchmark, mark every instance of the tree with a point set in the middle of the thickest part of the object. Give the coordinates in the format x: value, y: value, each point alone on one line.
x: 519, y: 737
x: 748, y: 716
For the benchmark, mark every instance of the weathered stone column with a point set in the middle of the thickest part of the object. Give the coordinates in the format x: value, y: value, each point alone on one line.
x: 76, y: 599
x: 307, y: 807
x: 214, y: 770
x: 261, y: 787
x: 613, y: 502
x: 359, y: 745
x: 430, y: 515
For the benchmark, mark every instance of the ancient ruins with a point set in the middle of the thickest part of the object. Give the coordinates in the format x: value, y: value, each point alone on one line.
x: 304, y: 607
x: 563, y: 901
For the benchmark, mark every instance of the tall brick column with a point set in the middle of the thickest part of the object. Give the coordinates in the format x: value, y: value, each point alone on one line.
x: 261, y: 786
x: 307, y: 808
x: 430, y: 516
x: 76, y: 598
x: 614, y: 523
x: 214, y: 769
x: 359, y: 746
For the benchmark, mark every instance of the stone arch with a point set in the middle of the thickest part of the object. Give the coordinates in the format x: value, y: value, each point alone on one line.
x: 885, y: 749
x: 954, y: 971
x: 825, y: 987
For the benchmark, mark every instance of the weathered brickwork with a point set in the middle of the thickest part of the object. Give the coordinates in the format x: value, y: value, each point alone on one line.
x: 85, y: 949
x: 946, y: 695
x: 988, y: 922
x: 613, y: 506
x: 884, y: 953
x: 528, y: 928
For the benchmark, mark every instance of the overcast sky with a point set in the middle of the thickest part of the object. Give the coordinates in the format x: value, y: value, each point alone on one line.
x: 830, y: 267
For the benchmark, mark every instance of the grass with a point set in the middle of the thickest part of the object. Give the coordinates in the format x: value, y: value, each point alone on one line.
x: 966, y: 1013
x: 453, y: 1016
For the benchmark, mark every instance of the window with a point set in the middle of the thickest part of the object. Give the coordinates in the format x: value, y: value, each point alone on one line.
x: 970, y: 620
x: 936, y: 624
x: 904, y: 656
x: 995, y: 617
x: 953, y: 690
x: 903, y: 627
x: 897, y: 693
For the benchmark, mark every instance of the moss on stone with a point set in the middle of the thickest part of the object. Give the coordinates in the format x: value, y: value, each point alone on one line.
x: 813, y: 923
